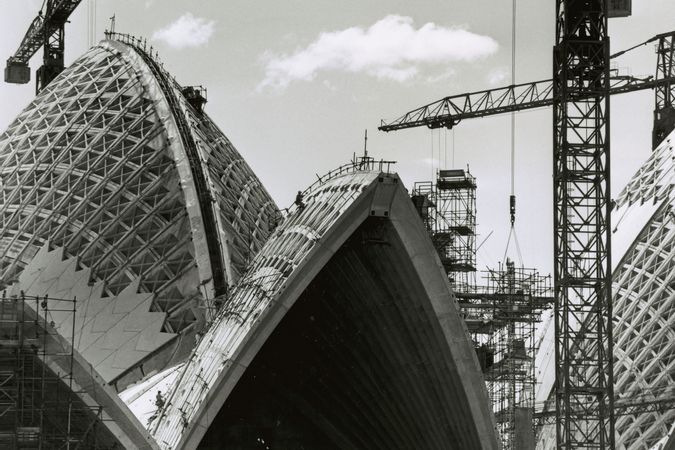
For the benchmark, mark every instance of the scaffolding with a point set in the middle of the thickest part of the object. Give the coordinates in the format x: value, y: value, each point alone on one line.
x: 38, y: 406
x: 501, y: 313
x: 501, y: 316
x: 448, y: 209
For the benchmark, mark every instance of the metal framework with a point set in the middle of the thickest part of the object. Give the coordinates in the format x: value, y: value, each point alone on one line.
x: 501, y: 316
x: 38, y: 408
x: 664, y: 111
x: 46, y: 31
x: 582, y: 233
x: 448, y: 209
x: 451, y: 110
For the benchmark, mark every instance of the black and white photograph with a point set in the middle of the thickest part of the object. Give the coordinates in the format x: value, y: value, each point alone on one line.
x: 337, y: 225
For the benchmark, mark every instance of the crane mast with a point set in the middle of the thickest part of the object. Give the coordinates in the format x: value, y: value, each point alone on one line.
x: 582, y: 227
x: 47, y: 31
x: 664, y: 112
x: 579, y: 92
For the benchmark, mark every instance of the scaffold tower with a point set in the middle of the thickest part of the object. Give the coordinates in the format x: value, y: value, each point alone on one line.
x: 39, y: 407
x: 448, y: 208
x: 500, y: 312
x: 501, y: 315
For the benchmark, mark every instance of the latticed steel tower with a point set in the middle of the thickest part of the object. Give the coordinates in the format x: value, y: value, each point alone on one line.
x: 584, y: 382
x: 643, y: 238
x: 118, y: 189
x: 664, y: 110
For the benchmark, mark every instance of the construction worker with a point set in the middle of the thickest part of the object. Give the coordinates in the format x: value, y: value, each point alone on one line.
x: 159, y: 403
x: 298, y: 201
x: 159, y: 400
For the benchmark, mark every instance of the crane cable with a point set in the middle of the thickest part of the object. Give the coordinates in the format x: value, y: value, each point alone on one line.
x: 431, y: 161
x: 513, y: 116
x: 91, y: 22
x: 512, y: 197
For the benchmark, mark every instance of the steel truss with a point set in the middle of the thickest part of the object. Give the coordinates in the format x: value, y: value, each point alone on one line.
x: 664, y: 112
x: 582, y: 267
x: 450, y: 111
x: 46, y: 31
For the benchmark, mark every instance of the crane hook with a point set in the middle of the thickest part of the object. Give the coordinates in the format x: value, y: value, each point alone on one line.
x: 512, y: 208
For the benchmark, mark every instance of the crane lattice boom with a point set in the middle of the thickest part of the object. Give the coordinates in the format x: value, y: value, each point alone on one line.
x: 45, y: 31
x: 449, y: 111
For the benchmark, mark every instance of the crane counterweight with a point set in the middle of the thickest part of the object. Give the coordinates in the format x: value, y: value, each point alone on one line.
x: 17, y: 72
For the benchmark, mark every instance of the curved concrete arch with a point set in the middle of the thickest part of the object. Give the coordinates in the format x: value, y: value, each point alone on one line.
x: 439, y: 399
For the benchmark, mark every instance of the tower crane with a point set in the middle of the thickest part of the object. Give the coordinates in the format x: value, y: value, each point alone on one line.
x: 579, y: 92
x: 449, y: 111
x: 47, y: 31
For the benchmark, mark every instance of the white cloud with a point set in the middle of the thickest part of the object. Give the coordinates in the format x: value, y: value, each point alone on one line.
x: 389, y: 49
x: 186, y: 31
x: 500, y: 75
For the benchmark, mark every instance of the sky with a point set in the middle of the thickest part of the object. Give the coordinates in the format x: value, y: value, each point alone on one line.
x: 295, y: 83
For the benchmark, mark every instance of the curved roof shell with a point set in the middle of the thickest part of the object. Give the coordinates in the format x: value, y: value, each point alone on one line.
x: 117, y: 191
x: 346, y: 319
x: 644, y: 303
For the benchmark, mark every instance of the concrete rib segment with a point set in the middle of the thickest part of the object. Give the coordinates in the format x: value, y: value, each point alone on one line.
x: 397, y: 369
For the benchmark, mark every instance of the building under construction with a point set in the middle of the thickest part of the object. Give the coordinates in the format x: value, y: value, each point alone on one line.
x: 177, y: 256
x: 40, y: 408
x: 155, y: 296
x: 501, y: 308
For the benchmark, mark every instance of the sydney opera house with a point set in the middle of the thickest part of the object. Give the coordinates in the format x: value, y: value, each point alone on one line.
x: 329, y: 326
x: 141, y: 256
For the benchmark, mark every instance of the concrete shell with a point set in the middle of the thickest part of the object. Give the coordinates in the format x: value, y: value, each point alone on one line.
x: 345, y: 319
x: 117, y: 191
x: 644, y: 303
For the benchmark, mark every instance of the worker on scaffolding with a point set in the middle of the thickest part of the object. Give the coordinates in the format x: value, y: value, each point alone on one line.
x: 299, y: 201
